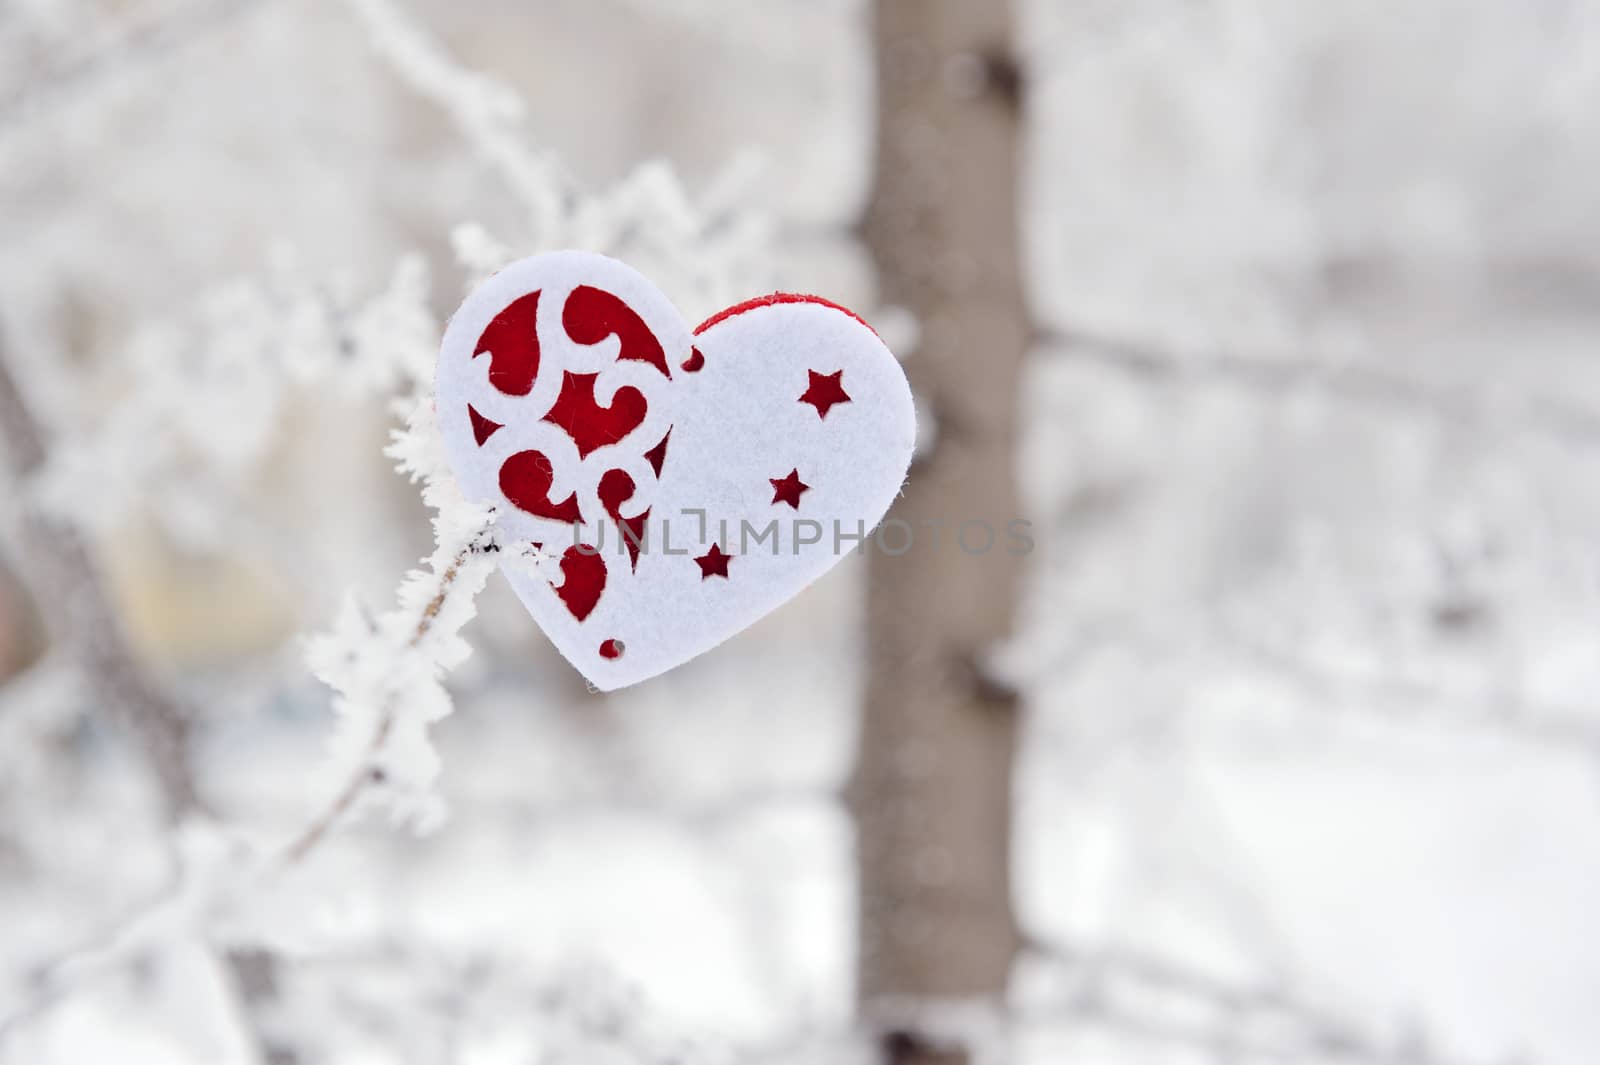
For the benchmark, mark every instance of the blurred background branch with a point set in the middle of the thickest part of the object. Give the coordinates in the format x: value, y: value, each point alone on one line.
x: 64, y: 577
x: 1480, y: 407
x: 124, y: 40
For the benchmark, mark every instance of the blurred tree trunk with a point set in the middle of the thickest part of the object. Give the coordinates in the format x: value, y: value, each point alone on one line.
x: 66, y: 582
x: 932, y: 788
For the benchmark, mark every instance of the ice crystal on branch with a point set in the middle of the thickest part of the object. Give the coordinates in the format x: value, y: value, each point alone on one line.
x: 387, y: 671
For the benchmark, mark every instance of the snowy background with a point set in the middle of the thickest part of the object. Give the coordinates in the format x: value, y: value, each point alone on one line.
x: 1311, y: 641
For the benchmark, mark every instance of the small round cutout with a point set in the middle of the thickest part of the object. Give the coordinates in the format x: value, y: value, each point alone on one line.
x: 612, y: 649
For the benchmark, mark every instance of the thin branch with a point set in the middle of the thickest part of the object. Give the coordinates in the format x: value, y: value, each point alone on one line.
x: 700, y: 816
x: 1123, y: 989
x: 119, y: 945
x: 1556, y: 727
x: 1375, y: 386
x: 485, y: 110
x: 367, y: 773
x: 1564, y: 728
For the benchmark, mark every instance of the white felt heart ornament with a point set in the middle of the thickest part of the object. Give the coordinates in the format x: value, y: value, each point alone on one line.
x: 680, y: 483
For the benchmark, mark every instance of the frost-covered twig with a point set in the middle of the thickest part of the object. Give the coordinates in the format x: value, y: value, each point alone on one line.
x: 387, y: 676
x: 387, y: 671
x: 708, y: 251
x: 202, y: 404
x: 466, y: 567
x: 486, y: 111
x: 203, y: 397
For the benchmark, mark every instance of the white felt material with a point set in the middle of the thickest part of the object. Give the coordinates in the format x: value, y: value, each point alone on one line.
x: 736, y: 424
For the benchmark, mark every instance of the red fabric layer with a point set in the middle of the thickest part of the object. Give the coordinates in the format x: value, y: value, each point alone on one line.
x: 824, y: 391
x: 615, y: 489
x: 775, y: 298
x: 583, y: 574
x: 593, y: 314
x: 482, y: 428
x: 589, y: 424
x: 512, y: 341
x: 525, y: 479
x: 657, y: 456
x: 714, y: 563
x: 788, y: 489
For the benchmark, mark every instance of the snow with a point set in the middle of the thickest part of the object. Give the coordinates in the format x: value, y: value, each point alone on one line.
x: 1309, y: 648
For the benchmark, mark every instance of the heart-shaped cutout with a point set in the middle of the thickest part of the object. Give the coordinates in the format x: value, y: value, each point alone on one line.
x: 683, y: 483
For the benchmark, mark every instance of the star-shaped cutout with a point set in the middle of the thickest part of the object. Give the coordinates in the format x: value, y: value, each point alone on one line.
x: 713, y: 563
x: 788, y: 489
x: 824, y: 391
